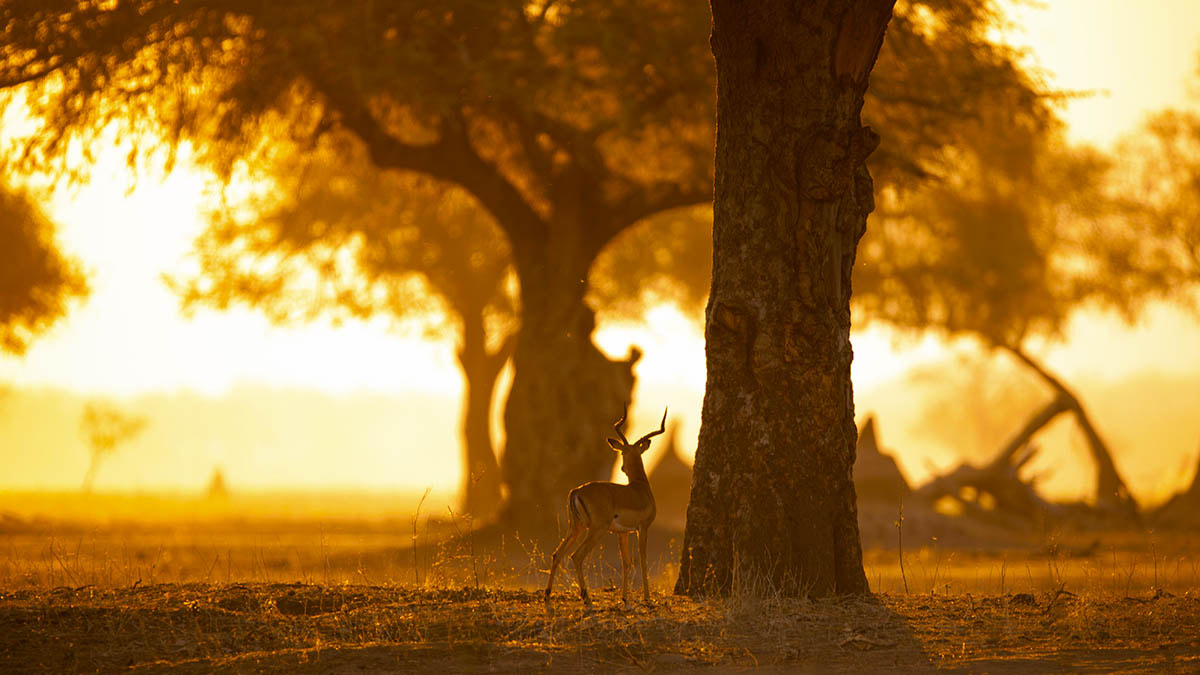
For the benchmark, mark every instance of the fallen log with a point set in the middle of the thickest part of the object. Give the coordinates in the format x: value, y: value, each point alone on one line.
x: 993, y: 492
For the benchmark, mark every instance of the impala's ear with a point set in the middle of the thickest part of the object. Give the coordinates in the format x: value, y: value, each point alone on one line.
x: 643, y: 445
x: 615, y: 444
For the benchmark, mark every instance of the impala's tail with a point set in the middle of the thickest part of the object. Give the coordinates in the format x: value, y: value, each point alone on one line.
x: 576, y: 508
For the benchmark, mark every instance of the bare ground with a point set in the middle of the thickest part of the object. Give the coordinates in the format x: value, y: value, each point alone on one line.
x: 346, y: 628
x: 322, y: 594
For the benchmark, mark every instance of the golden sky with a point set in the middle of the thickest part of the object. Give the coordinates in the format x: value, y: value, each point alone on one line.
x: 130, y: 337
x: 1136, y: 56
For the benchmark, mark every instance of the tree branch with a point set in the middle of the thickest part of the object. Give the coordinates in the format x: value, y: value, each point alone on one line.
x: 1053, y: 409
x: 450, y: 158
x: 1110, y: 487
x: 642, y: 202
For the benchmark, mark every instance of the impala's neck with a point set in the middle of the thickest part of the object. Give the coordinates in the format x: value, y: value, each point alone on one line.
x: 635, y: 471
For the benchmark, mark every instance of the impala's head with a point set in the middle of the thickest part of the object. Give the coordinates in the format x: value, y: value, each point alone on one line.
x: 635, y: 449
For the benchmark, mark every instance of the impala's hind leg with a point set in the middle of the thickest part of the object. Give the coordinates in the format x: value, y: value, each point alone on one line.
x: 580, y: 554
x: 564, y: 547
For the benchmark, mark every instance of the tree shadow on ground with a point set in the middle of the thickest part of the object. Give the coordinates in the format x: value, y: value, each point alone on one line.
x: 313, y: 628
x: 344, y: 628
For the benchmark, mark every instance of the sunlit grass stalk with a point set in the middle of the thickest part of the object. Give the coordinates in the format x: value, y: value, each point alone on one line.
x: 415, y: 519
x: 900, y: 544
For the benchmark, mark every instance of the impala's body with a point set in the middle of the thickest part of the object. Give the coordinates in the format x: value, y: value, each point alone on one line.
x: 602, y: 507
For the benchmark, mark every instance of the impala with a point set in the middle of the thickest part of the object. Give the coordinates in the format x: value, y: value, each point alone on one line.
x: 600, y: 507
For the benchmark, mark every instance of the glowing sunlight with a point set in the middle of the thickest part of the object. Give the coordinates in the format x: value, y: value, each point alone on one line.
x: 317, y: 321
x: 130, y: 339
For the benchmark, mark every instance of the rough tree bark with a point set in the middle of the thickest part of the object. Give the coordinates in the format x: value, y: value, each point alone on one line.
x: 773, y: 501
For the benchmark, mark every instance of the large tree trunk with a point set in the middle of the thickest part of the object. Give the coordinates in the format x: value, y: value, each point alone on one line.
x: 479, y: 494
x: 772, y: 502
x: 565, y: 396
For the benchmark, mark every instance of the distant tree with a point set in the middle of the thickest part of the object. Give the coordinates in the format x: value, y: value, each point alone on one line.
x: 104, y: 427
x: 216, y: 491
x: 1026, y: 232
x: 37, y: 282
x: 996, y: 254
x: 772, y: 500
x: 567, y: 122
x: 1156, y: 241
x: 327, y: 237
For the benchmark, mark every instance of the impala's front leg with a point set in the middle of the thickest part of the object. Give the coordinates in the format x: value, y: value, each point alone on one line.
x: 626, y: 563
x: 643, y: 531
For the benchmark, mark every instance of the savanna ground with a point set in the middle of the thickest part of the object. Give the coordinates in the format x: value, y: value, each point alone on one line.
x: 159, y: 583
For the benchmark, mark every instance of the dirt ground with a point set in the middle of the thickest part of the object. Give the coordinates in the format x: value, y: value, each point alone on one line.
x: 346, y: 628
x: 322, y: 594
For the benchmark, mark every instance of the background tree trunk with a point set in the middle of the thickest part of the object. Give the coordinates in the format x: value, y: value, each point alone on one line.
x: 480, y: 492
x: 772, y: 503
x: 565, y: 396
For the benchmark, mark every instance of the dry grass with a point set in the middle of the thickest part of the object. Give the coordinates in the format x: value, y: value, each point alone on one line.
x: 299, y: 627
x: 344, y: 595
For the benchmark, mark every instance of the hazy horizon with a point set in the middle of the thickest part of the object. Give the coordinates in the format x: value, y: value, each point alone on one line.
x: 271, y: 439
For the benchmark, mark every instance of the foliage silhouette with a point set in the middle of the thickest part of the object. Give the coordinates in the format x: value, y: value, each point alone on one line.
x: 37, y: 282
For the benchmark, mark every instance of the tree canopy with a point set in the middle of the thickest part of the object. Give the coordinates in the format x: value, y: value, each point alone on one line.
x: 527, y: 93
x: 37, y: 282
x: 324, y: 235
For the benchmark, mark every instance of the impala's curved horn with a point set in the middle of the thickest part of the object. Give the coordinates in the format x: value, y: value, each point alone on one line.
x: 620, y: 422
x: 661, y: 428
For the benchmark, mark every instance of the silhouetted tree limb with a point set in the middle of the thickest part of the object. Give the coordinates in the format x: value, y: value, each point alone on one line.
x: 1038, y: 421
x: 38, y: 283
x: 1111, y: 491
